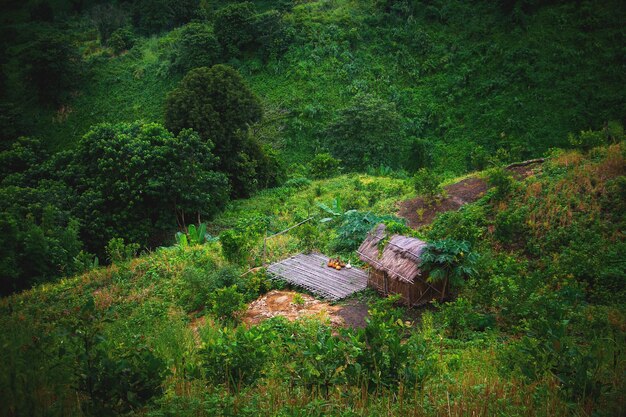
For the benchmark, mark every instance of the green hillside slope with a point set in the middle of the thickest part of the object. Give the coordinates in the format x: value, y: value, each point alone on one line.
x: 459, y: 74
x: 538, y: 330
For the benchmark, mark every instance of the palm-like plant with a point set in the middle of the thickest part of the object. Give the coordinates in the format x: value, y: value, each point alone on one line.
x: 448, y: 260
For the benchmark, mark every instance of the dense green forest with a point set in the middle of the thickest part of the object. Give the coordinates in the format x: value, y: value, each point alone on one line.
x: 147, y: 148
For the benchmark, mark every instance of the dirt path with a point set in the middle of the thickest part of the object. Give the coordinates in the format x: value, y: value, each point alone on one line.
x: 294, y: 305
x: 418, y: 213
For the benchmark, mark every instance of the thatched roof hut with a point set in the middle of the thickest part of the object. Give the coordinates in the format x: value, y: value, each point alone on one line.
x: 396, y: 269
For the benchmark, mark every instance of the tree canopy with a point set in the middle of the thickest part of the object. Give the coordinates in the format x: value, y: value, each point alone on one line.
x: 137, y: 180
x: 216, y: 103
x: 368, y: 133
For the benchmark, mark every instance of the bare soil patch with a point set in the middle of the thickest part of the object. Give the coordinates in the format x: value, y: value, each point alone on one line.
x: 285, y: 303
x: 418, y: 213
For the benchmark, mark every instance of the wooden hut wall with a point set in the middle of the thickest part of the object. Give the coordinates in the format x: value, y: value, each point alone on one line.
x: 376, y: 281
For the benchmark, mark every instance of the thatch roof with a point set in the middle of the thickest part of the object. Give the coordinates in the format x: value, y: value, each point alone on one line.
x: 400, y: 257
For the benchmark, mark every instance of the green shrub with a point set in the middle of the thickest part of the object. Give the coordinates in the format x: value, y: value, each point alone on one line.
x: 324, y: 166
x: 428, y: 185
x: 121, y: 40
x: 367, y: 133
x: 227, y: 304
x: 234, y: 245
x: 511, y: 226
x: 235, y: 357
x: 587, y: 139
x: 469, y: 223
x: 297, y: 183
x: 450, y: 261
x: 460, y: 318
x: 502, y: 180
x: 195, y: 46
x: 234, y: 27
x: 119, y: 251
x: 478, y: 158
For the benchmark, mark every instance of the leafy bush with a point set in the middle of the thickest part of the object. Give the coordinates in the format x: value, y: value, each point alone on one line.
x: 587, y: 139
x: 460, y: 318
x: 428, y: 185
x: 449, y: 261
x: 196, y: 46
x: 297, y: 183
x: 121, y: 40
x: 118, y: 251
x: 39, y: 235
x: 234, y: 27
x: 511, y: 226
x: 324, y: 166
x: 366, y: 133
x: 235, y: 357
x: 502, y: 181
x: 227, y: 304
x: 469, y: 223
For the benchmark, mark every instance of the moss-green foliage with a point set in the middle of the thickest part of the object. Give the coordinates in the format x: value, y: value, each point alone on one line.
x: 234, y: 27
x: 540, y: 325
x: 195, y: 46
x: 217, y: 104
x: 138, y: 180
x: 122, y: 40
x: 367, y: 133
x: 324, y: 166
x: 52, y: 66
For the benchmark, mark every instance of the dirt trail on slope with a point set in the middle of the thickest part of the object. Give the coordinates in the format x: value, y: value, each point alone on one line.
x: 283, y: 303
x: 418, y: 213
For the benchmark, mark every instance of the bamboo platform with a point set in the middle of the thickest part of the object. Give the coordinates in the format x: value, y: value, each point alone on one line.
x: 312, y: 273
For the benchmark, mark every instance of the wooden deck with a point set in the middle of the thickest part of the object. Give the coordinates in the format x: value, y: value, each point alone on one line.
x: 312, y: 273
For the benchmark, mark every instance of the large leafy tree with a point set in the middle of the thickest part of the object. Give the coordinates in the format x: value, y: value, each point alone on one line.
x: 153, y: 16
x: 137, y: 181
x: 367, y: 133
x: 235, y: 27
x: 52, y: 66
x: 216, y: 103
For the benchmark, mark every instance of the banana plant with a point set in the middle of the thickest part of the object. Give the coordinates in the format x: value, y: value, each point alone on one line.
x: 196, y: 235
x: 335, y: 210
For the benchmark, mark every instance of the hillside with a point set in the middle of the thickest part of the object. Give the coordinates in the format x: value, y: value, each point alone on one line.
x: 458, y: 74
x: 539, y: 330
x: 161, y: 159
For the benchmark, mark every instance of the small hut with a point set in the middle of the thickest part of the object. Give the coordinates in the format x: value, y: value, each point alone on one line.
x: 396, y: 270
